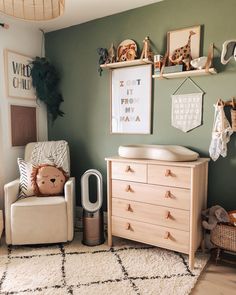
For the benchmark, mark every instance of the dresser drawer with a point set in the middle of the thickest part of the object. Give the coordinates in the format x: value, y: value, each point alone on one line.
x: 169, y: 175
x: 164, y: 216
x: 152, y: 194
x: 129, y: 171
x: 164, y: 237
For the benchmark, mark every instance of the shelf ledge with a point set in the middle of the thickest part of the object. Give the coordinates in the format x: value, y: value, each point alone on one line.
x: 212, y: 71
x: 123, y: 64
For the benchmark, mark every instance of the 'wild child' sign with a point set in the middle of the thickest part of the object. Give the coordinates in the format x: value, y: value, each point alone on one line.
x: 18, y: 75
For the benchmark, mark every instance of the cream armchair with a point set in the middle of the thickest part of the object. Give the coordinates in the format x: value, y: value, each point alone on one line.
x: 39, y: 220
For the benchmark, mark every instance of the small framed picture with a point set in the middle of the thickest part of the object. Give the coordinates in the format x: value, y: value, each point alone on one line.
x: 23, y: 124
x: 131, y: 100
x: 184, y: 41
x: 18, y: 75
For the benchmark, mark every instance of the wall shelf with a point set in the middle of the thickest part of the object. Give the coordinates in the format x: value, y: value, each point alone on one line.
x: 212, y: 71
x: 123, y: 64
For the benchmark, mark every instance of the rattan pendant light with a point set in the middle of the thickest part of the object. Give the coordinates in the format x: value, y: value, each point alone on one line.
x: 35, y: 10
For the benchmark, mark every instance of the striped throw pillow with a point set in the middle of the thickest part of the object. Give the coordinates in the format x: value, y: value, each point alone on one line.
x: 26, y: 188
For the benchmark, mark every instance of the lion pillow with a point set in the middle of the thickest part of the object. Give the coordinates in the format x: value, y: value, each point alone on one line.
x: 48, y: 180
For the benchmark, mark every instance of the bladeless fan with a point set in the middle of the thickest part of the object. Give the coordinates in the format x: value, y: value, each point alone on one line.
x: 93, y: 233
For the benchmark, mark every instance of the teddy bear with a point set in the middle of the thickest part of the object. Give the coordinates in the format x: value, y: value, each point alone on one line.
x: 213, y: 215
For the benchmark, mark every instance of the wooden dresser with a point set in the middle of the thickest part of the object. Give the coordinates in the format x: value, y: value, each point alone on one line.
x: 157, y: 202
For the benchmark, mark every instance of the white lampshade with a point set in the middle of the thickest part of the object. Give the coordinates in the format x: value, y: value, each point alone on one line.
x: 35, y: 10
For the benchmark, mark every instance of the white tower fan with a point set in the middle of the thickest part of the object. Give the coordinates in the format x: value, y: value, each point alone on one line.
x: 93, y: 232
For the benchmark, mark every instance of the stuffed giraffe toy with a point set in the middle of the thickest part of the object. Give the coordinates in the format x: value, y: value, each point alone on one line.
x: 183, y: 53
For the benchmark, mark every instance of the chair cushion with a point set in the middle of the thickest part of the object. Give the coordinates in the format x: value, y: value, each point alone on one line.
x: 37, y: 220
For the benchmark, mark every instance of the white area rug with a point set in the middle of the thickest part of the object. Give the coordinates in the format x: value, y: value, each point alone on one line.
x: 128, y: 268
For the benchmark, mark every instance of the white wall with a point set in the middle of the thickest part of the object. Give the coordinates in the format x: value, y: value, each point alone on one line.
x: 23, y: 38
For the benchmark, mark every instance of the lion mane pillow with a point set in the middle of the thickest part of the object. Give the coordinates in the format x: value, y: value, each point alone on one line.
x: 48, y: 180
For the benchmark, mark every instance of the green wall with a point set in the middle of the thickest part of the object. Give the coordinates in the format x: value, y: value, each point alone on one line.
x: 86, y: 122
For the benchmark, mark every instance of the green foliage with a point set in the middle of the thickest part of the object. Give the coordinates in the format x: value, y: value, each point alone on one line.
x: 45, y: 80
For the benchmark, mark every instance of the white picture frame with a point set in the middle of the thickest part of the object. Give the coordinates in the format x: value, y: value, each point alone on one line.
x: 18, y: 75
x: 131, y: 89
x: 178, y: 38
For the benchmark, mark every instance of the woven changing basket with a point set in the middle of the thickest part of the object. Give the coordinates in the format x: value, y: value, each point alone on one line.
x: 224, y: 236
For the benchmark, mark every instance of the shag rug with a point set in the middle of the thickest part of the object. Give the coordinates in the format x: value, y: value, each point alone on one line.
x: 128, y: 268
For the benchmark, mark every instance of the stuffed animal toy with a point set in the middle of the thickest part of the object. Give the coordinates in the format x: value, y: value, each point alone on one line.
x: 111, y: 55
x: 214, y: 215
x: 103, y: 58
x: 48, y: 180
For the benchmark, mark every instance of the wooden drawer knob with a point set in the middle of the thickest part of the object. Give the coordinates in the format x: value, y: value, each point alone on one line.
x: 166, y: 235
x: 128, y: 188
x: 167, y: 214
x: 168, y: 172
x: 168, y: 194
x: 127, y: 226
x: 128, y: 169
x: 128, y: 208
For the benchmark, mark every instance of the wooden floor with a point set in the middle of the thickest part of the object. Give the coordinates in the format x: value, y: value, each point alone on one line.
x: 217, y: 279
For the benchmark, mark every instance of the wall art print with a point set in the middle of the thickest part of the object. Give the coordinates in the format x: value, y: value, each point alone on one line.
x: 183, y: 43
x: 18, y: 75
x: 23, y: 124
x: 131, y: 100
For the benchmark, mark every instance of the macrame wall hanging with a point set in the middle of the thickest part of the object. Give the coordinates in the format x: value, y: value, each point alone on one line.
x: 187, y: 108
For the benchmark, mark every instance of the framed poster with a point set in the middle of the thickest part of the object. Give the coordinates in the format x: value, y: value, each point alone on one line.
x: 182, y: 40
x: 131, y: 100
x: 23, y: 124
x: 18, y: 75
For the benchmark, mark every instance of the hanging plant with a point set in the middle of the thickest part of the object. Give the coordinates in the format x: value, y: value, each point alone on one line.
x: 45, y: 79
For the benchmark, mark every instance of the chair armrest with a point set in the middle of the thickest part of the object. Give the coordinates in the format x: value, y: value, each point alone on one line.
x: 70, y: 200
x: 11, y: 191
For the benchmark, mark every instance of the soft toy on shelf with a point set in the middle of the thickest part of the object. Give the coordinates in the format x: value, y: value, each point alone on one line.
x: 103, y: 55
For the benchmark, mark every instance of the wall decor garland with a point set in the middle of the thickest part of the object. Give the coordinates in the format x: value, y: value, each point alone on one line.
x: 187, y: 108
x: 46, y: 79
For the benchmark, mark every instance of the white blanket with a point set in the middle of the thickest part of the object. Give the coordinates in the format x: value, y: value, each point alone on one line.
x: 220, y: 134
x: 52, y: 153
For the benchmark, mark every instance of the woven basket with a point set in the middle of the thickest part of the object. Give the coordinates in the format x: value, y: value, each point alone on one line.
x: 224, y: 237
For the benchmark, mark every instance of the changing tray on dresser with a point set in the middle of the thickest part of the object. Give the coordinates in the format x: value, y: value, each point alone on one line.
x: 157, y: 202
